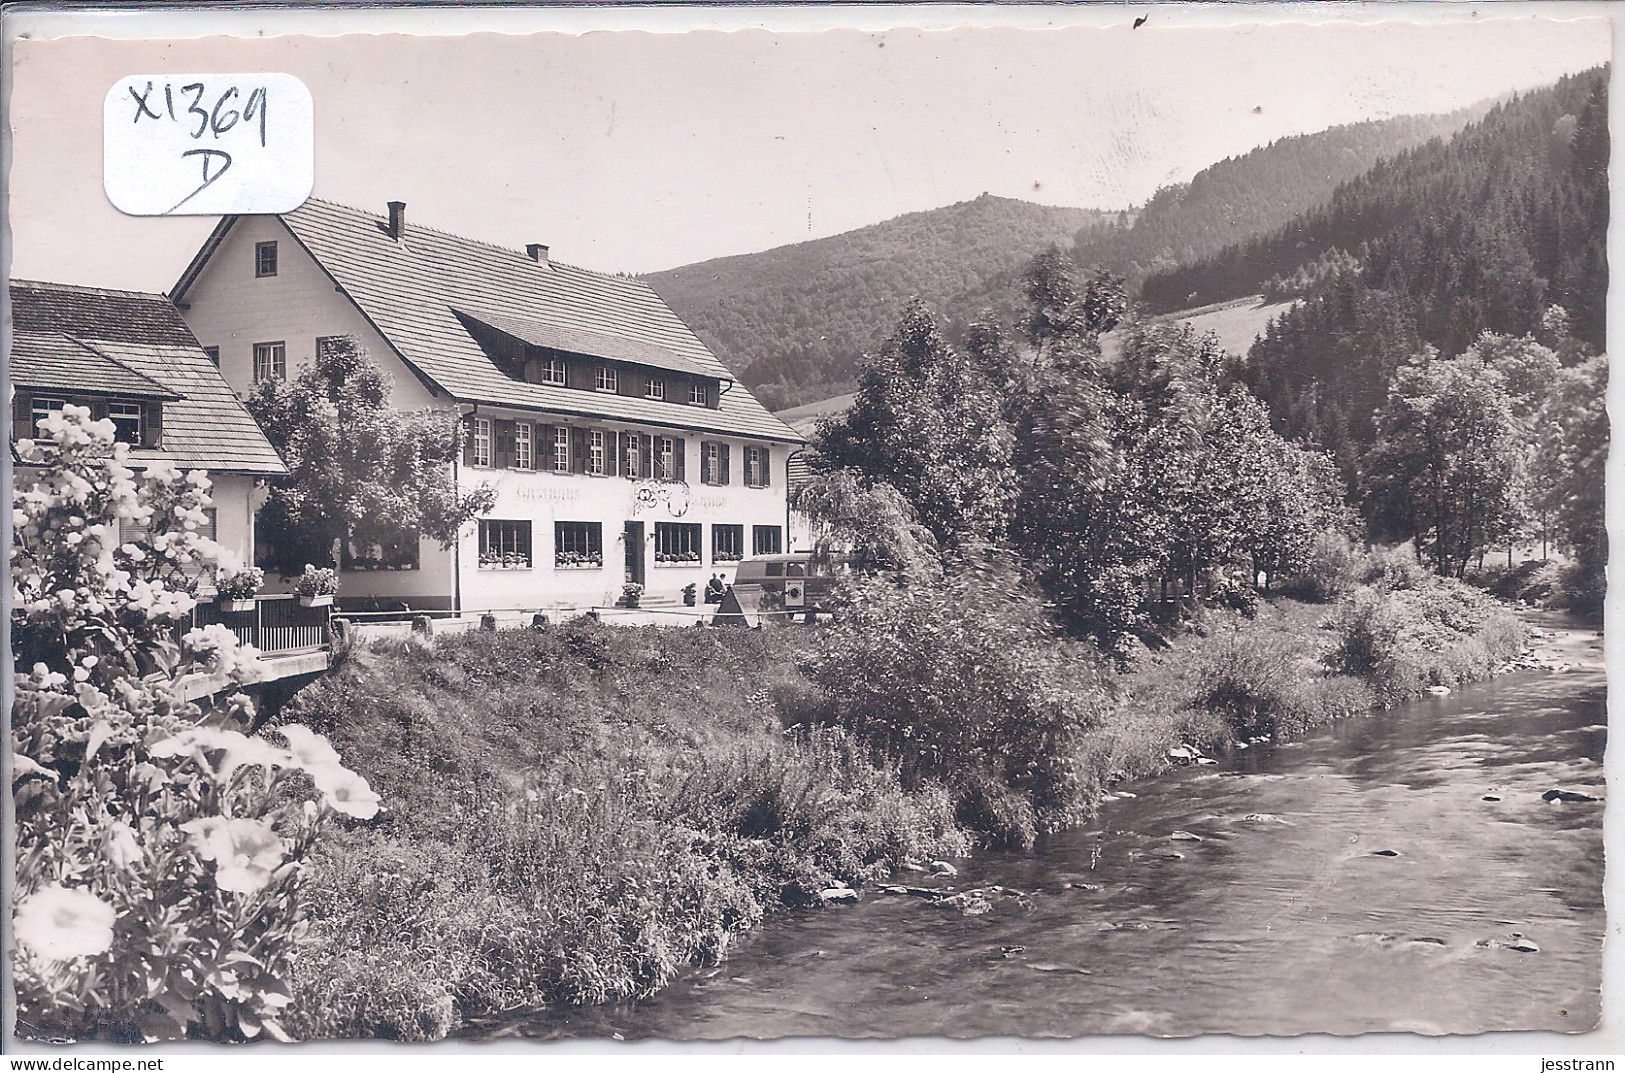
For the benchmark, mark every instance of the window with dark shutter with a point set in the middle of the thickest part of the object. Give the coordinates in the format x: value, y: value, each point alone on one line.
x: 679, y: 452
x: 152, y: 425
x: 646, y: 464
x: 727, y: 469
x: 503, y: 432
x: 631, y: 455
x: 524, y: 445
x: 578, y: 450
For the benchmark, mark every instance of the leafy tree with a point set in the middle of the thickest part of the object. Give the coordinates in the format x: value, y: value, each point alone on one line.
x: 360, y: 472
x: 1448, y: 464
x: 873, y: 524
x: 931, y: 425
x: 1570, y: 469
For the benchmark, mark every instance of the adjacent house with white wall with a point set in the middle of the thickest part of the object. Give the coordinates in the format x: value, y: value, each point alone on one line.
x: 620, y: 448
x: 130, y: 358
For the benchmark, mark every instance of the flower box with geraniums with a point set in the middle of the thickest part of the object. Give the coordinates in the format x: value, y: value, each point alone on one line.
x: 504, y: 560
x: 236, y: 591
x: 631, y: 593
x: 316, y: 588
x: 678, y: 558
x: 578, y: 560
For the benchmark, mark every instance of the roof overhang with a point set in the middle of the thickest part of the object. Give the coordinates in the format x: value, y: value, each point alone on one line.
x: 588, y: 343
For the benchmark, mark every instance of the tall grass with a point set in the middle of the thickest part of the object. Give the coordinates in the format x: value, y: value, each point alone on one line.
x: 573, y: 817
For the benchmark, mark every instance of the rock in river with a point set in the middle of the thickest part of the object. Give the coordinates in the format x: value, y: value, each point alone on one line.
x: 943, y: 868
x: 1567, y: 796
x: 835, y: 895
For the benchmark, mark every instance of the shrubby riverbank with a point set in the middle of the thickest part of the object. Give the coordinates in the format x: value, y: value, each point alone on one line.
x: 574, y: 815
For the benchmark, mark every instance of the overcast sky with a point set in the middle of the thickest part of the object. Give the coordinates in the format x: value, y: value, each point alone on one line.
x: 633, y: 151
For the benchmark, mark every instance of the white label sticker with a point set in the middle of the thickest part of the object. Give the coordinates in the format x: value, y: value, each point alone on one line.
x: 208, y: 145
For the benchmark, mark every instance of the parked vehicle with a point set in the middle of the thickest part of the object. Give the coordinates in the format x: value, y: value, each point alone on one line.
x: 798, y: 579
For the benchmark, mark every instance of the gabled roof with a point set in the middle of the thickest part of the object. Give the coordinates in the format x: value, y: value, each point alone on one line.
x: 52, y: 360
x: 83, y: 335
x: 412, y: 292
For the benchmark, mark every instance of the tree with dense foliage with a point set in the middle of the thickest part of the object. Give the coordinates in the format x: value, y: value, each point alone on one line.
x: 1570, y: 471
x: 930, y: 424
x: 871, y: 524
x: 362, y: 474
x: 1448, y: 465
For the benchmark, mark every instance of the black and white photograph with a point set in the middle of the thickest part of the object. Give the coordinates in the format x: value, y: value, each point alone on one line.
x: 565, y: 526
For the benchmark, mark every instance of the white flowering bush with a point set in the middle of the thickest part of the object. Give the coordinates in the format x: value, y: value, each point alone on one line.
x: 159, y: 846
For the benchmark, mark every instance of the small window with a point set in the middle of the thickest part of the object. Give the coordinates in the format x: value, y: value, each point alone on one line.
x: 264, y: 259
x: 523, y: 458
x: 727, y: 543
x: 766, y: 540
x: 633, y: 444
x: 699, y: 395
x: 711, y: 463
x: 552, y: 370
x: 126, y: 418
x: 756, y: 467
x: 677, y: 542
x: 270, y: 361
x: 482, y: 441
x: 794, y: 570
x: 578, y: 545
x: 595, y: 453
x: 43, y: 408
x: 606, y: 379
x: 657, y: 388
x: 666, y: 458
x: 505, y: 545
x: 214, y: 355
x: 329, y: 344
x: 561, y: 449
x: 775, y: 569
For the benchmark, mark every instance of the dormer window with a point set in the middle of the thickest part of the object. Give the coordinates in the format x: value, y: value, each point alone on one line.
x: 550, y: 370
x: 126, y: 418
x: 657, y: 388
x: 606, y: 379
x: 264, y: 259
x: 698, y: 395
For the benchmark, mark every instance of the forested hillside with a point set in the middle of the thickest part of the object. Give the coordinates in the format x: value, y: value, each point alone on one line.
x: 1481, y: 230
x: 1252, y: 194
x: 792, y: 322
x: 1484, y: 234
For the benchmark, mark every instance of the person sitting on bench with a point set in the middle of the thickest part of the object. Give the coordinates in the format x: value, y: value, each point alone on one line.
x: 714, y: 589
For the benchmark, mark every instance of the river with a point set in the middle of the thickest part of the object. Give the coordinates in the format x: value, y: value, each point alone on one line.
x: 1360, y: 880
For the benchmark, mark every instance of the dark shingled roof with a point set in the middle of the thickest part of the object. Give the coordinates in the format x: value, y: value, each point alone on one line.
x: 205, y: 425
x: 51, y: 360
x: 98, y: 313
x: 592, y: 344
x: 411, y: 290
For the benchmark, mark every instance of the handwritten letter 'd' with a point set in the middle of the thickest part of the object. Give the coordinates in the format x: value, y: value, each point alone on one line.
x: 208, y: 145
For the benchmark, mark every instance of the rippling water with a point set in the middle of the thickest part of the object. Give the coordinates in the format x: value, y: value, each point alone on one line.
x: 1356, y: 881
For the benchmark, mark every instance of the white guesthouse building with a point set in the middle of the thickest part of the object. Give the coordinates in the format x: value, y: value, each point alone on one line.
x: 620, y: 448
